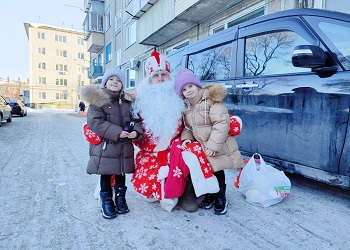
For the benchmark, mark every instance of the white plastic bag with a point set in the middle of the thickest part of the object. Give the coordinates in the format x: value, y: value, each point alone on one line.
x: 262, y: 184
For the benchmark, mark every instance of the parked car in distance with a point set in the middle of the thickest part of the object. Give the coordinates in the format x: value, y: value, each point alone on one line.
x: 288, y: 78
x: 5, y: 111
x: 18, y: 107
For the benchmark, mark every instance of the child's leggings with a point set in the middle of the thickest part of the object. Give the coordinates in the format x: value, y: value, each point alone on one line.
x: 106, y: 182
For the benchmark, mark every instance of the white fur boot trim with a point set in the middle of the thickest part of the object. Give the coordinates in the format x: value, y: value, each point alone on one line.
x: 166, y: 204
x: 201, y: 184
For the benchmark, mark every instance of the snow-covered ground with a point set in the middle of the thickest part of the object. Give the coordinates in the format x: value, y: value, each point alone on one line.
x: 47, y: 202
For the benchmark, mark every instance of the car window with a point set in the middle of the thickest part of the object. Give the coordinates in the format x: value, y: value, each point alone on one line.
x: 213, y: 63
x: 339, y: 34
x: 175, y: 61
x: 271, y: 53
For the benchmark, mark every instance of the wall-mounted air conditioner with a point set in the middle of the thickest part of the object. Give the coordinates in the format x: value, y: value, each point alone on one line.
x: 134, y: 64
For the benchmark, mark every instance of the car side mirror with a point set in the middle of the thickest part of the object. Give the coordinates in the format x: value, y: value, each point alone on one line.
x: 308, y: 56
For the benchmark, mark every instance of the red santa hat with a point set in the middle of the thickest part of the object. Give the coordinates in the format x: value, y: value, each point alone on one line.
x: 156, y: 62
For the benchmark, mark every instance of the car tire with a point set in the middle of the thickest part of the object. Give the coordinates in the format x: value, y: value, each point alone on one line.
x: 9, y: 119
x: 22, y: 113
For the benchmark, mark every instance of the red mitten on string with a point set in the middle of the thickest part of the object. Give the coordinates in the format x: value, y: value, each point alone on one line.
x: 91, y: 136
x: 235, y: 125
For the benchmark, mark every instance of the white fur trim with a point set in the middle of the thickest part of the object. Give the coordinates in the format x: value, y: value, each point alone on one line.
x: 163, y: 144
x: 201, y: 184
x: 166, y: 204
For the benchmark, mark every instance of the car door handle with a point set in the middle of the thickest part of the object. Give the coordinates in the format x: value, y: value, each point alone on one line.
x: 248, y: 85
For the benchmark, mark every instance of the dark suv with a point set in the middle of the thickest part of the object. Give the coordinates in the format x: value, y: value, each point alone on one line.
x: 18, y: 107
x: 288, y: 78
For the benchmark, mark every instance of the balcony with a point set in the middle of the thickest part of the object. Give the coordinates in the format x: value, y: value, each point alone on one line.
x: 187, y: 16
x: 95, y: 42
x: 94, y: 20
x: 95, y: 71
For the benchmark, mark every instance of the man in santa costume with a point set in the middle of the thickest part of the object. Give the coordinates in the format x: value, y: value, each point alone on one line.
x: 160, y: 172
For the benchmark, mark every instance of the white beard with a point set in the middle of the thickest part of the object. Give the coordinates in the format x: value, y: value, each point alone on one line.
x: 160, y: 108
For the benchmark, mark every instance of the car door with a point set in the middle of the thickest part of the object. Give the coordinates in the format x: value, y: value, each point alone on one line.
x: 292, y: 116
x: 5, y: 108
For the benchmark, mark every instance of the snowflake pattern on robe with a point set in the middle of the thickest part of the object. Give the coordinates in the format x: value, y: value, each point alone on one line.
x: 147, y: 164
x: 195, y: 148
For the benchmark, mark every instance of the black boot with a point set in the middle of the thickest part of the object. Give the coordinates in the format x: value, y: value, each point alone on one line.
x: 220, y: 201
x: 208, y: 201
x: 120, y: 202
x: 108, y: 210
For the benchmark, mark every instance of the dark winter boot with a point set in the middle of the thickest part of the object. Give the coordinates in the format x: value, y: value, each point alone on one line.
x: 208, y: 201
x: 120, y: 202
x: 188, y: 199
x: 220, y: 201
x: 108, y: 210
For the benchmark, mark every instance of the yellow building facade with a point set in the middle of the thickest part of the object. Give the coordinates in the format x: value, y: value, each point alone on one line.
x: 58, y: 62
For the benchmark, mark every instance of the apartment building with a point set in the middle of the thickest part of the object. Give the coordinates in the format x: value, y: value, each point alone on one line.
x: 58, y: 66
x: 122, y: 33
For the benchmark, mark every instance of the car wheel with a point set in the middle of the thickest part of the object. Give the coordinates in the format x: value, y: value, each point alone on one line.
x: 22, y: 113
x: 9, y: 119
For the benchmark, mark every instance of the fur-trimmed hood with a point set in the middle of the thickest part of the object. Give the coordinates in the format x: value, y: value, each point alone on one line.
x: 93, y: 94
x: 215, y: 92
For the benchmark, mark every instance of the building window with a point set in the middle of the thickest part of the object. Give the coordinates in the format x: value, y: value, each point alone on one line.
x: 176, y: 47
x: 62, y: 68
x: 246, y: 17
x: 81, y: 55
x: 41, y: 65
x: 62, y: 82
x: 60, y: 38
x: 218, y: 29
x: 80, y: 41
x: 118, y: 21
x: 99, y: 59
x: 130, y: 79
x: 42, y: 95
x: 108, y: 20
x: 61, y: 53
x: 42, y: 80
x: 41, y: 50
x: 81, y: 69
x: 96, y: 22
x: 108, y: 53
x: 118, y: 57
x: 131, y: 34
x: 62, y: 96
x: 41, y: 35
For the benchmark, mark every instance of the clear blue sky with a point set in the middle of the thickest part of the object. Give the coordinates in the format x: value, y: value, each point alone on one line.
x: 14, y: 61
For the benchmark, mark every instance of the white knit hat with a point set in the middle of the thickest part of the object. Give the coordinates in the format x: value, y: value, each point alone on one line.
x: 112, y: 72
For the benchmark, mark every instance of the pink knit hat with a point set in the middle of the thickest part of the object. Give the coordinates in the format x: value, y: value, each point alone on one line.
x: 185, y: 76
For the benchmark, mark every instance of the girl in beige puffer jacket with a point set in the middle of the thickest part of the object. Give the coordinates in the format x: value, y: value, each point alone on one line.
x: 207, y: 121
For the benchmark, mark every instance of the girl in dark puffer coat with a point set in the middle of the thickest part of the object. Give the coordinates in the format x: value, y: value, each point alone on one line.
x: 108, y: 113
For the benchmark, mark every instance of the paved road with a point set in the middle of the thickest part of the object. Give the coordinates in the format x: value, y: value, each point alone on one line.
x: 47, y: 202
